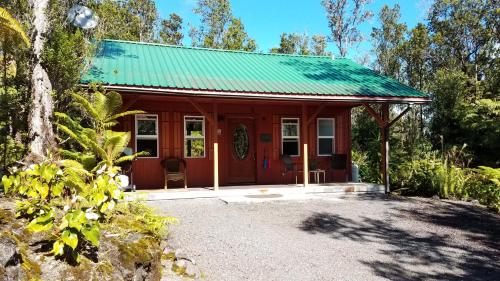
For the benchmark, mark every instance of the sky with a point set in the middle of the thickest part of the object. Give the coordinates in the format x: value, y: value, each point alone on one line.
x: 265, y: 20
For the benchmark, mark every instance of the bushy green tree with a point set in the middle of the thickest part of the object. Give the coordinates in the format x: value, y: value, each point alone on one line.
x: 171, y: 30
x: 219, y: 29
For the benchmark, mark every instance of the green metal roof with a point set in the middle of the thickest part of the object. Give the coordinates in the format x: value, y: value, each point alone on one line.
x: 137, y: 64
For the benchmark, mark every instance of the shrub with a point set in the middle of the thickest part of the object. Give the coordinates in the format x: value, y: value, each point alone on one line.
x: 485, y: 187
x: 368, y: 171
x: 70, y: 198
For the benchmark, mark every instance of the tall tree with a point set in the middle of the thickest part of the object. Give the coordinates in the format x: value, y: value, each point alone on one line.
x: 133, y: 20
x: 416, y: 54
x: 42, y: 105
x: 145, y: 11
x: 344, y: 23
x: 215, y: 16
x: 318, y: 45
x: 388, y: 41
x: 171, y: 30
x: 293, y: 43
x: 236, y: 38
x: 465, y: 36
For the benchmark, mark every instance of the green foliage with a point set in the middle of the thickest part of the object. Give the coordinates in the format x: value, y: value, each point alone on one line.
x: 63, y: 58
x: 344, y: 20
x: 9, y: 26
x: 70, y: 197
x: 137, y: 217
x: 301, y: 44
x: 125, y: 20
x: 485, y: 187
x: 388, y: 41
x: 236, y: 37
x: 99, y: 144
x: 171, y: 30
x: 429, y: 174
x: 219, y: 29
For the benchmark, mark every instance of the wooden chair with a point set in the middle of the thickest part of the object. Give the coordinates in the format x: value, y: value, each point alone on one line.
x: 288, y: 167
x: 175, y: 169
x: 339, y: 162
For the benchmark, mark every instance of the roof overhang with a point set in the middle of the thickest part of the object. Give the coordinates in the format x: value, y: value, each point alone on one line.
x: 265, y: 96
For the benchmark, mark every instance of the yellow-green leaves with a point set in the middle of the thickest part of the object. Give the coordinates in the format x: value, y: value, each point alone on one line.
x: 43, y: 222
x: 70, y: 238
x: 91, y: 233
x: 10, y: 26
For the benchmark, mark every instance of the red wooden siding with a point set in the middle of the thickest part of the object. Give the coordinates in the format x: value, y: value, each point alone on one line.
x: 266, y: 115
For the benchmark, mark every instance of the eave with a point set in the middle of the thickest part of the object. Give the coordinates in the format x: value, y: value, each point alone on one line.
x: 265, y: 96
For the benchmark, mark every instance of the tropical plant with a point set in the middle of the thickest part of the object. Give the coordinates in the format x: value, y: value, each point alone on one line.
x: 100, y: 145
x: 9, y: 26
x: 485, y: 186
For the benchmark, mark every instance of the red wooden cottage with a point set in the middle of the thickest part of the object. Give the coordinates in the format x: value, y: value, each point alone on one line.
x: 232, y: 115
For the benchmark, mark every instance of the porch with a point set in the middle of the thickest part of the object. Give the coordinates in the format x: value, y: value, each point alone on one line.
x: 256, y: 193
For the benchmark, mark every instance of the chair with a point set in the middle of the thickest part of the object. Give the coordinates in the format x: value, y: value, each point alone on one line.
x: 174, y: 171
x: 288, y: 166
x: 339, y: 162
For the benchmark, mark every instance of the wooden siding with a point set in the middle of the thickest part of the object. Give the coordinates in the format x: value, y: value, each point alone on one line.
x: 147, y: 172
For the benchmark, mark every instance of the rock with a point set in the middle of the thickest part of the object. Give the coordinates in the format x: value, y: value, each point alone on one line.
x: 8, y: 255
x: 181, y: 263
x: 435, y: 197
x: 180, y: 254
x: 192, y: 270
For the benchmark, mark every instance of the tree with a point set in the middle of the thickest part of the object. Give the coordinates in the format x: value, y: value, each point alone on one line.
x: 318, y: 45
x: 344, y: 24
x: 236, y: 38
x: 133, y: 20
x: 40, y: 131
x: 215, y: 16
x: 289, y: 44
x: 388, y: 41
x: 145, y: 11
x: 416, y: 54
x: 171, y: 30
x: 464, y: 58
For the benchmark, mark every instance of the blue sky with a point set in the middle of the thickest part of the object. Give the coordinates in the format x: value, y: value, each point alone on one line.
x: 265, y: 20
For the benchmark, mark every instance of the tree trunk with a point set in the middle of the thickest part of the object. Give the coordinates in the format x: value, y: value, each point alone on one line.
x: 40, y: 125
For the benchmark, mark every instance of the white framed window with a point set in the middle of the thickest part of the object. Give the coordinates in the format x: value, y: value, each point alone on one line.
x: 290, y: 136
x: 146, y: 134
x: 194, y: 136
x: 325, y: 136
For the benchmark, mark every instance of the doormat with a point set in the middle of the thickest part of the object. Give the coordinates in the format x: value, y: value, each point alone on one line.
x: 263, y: 196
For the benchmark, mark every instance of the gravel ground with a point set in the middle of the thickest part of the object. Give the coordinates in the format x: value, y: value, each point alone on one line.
x: 360, y: 237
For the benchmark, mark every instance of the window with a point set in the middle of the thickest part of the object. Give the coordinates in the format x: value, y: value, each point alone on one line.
x: 146, y: 134
x: 326, y: 136
x: 194, y: 137
x: 290, y: 137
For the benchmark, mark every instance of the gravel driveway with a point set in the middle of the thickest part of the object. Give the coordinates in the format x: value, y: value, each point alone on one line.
x: 363, y: 237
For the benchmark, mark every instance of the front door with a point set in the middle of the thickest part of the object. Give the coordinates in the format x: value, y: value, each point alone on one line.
x: 241, y: 150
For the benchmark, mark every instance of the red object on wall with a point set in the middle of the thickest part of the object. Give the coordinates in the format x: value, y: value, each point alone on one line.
x: 260, y: 117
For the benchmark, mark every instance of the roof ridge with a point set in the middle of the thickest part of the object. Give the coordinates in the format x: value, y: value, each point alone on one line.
x: 216, y: 50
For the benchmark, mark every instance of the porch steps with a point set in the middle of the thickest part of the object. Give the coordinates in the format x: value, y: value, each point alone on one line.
x: 256, y: 193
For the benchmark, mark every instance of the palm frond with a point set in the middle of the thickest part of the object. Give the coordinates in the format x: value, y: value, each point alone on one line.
x: 74, y: 135
x: 123, y: 114
x: 8, y: 22
x: 87, y: 106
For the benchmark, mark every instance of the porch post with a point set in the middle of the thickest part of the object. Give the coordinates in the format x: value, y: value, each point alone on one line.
x: 305, y: 138
x: 384, y: 146
x: 216, y: 147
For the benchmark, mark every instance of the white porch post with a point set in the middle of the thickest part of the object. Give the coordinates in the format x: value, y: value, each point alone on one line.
x: 305, y: 138
x: 216, y: 147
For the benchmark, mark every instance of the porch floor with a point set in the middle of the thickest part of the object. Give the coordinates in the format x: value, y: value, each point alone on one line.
x: 255, y: 193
